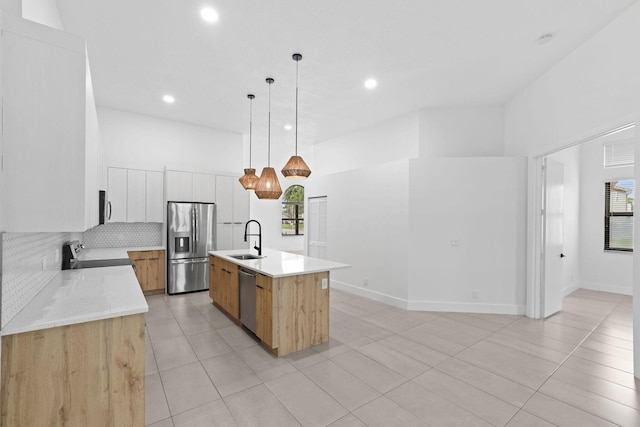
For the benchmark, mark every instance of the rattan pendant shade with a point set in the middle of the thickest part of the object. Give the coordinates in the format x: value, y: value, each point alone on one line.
x: 296, y: 168
x: 268, y: 187
x: 249, y: 180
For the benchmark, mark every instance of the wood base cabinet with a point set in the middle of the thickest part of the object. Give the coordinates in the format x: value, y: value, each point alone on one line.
x: 292, y: 313
x: 223, y: 286
x: 87, y: 374
x: 150, y: 270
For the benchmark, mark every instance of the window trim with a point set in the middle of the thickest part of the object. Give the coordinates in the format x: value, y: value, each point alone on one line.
x: 607, y: 215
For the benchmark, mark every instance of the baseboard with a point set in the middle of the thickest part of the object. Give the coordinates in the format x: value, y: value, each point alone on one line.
x: 440, y: 306
x: 604, y: 287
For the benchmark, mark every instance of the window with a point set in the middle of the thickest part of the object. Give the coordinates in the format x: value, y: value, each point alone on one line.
x: 618, y: 215
x: 293, y: 211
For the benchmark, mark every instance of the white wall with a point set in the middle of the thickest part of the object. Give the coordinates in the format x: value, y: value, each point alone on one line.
x: 145, y: 142
x: 467, y: 224
x: 42, y: 11
x: 462, y: 132
x: 600, y: 270
x: 592, y: 90
x: 573, y: 216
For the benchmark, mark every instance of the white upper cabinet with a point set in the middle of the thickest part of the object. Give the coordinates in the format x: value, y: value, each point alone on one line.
x: 232, y: 209
x: 224, y: 199
x: 204, y: 188
x: 136, y: 195
x: 154, y: 196
x: 117, y: 194
x: 45, y: 159
x: 179, y: 186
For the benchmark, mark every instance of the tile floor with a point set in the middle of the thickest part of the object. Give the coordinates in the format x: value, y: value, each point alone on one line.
x: 388, y: 367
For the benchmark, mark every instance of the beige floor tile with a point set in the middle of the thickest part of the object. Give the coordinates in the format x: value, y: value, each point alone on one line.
x: 155, y: 402
x: 574, y: 320
x: 194, y: 324
x: 210, y: 414
x: 230, y: 374
x: 341, y: 385
x: 384, y: 412
x: 618, y: 331
x: 257, y: 406
x: 369, y: 371
x: 150, y: 366
x: 562, y: 414
x: 490, y: 322
x: 164, y: 423
x: 217, y: 319
x: 525, y: 419
x: 610, y: 390
x: 264, y: 364
x: 530, y: 348
x: 432, y: 408
x: 478, y: 402
x: 517, y: 357
x: 537, y: 339
x: 208, y: 344
x: 494, y: 384
x: 395, y: 321
x: 163, y: 329
x: 399, y: 362
x: 415, y: 350
x: 592, y: 403
x: 187, y: 387
x: 348, y: 336
x: 601, y: 371
x: 173, y: 352
x: 429, y: 339
x: 237, y: 338
x: 348, y: 421
x: 367, y: 329
x: 605, y: 359
x: 305, y: 400
x: 455, y: 331
x: 558, y: 331
x: 607, y: 339
x: 609, y: 349
x: 303, y: 358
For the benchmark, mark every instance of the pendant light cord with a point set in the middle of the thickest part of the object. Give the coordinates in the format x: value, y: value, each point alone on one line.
x: 250, y: 126
x: 269, y: 140
x: 297, y: 63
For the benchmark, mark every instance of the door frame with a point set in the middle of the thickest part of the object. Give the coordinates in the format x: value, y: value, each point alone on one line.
x: 535, y: 249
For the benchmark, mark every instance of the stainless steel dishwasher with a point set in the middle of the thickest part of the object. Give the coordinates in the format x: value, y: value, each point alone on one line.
x: 247, y: 284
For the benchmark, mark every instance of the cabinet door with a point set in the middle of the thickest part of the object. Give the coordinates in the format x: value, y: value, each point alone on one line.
x: 117, y: 194
x: 224, y: 236
x: 237, y: 237
x: 136, y: 195
x: 233, y: 291
x: 204, y: 188
x: 240, y: 204
x: 43, y: 80
x: 264, y: 309
x: 155, y: 199
x: 224, y: 198
x: 179, y: 186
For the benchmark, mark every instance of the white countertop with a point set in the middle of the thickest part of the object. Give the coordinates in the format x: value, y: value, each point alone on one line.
x: 77, y: 296
x: 280, y: 264
x: 112, y: 253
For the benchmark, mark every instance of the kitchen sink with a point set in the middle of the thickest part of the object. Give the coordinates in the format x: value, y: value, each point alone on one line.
x: 246, y: 256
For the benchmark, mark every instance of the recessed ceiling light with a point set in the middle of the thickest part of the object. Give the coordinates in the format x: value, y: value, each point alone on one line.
x: 545, y: 39
x: 288, y: 127
x: 209, y: 14
x: 370, y: 83
x: 168, y: 99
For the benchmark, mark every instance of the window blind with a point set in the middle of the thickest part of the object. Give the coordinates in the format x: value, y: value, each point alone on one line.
x: 619, y: 153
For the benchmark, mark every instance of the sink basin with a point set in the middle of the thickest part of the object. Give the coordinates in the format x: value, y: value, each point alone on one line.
x: 246, y: 256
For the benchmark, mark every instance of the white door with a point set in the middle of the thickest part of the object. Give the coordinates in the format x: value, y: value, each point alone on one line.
x: 553, y: 237
x: 317, y: 227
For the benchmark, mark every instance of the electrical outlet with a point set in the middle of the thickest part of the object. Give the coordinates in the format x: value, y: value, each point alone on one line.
x: 365, y: 282
x: 325, y: 283
x: 57, y: 256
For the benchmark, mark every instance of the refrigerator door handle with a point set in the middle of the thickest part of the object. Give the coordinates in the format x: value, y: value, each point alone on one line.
x: 188, y: 261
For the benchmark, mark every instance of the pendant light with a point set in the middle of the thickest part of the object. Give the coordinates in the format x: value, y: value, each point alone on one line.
x: 268, y: 186
x: 249, y: 180
x: 296, y: 168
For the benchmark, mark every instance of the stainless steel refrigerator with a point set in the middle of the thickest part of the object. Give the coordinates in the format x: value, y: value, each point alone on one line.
x: 191, y: 233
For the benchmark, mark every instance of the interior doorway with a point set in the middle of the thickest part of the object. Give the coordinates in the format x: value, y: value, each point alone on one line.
x: 552, y: 272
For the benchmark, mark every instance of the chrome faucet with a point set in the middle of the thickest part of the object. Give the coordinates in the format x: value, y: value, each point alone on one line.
x: 246, y: 228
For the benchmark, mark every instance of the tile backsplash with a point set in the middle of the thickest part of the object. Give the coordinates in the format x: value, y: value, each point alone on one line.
x: 124, y: 234
x: 29, y: 262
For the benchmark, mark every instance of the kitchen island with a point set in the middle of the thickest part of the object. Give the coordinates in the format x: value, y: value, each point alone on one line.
x: 291, y: 296
x: 75, y: 354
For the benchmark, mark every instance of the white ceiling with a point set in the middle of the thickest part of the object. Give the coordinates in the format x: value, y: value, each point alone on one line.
x: 424, y: 53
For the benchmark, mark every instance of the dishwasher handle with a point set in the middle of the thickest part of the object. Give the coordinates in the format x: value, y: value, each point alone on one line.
x: 247, y: 273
